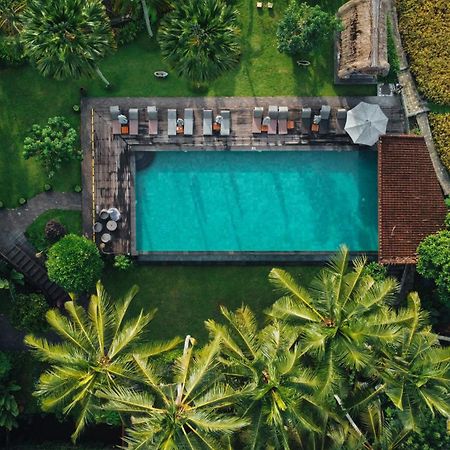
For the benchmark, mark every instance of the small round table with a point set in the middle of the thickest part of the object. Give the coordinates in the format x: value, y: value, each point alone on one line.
x: 106, y: 237
x: 111, y: 225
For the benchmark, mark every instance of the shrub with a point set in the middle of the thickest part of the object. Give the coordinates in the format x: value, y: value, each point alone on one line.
x: 440, y: 126
x: 5, y: 365
x: 52, y: 144
x: 394, y: 62
x: 302, y: 27
x: 434, y: 261
x: 74, y: 263
x: 377, y: 271
x: 54, y: 231
x: 425, y: 37
x: 1, y: 204
x: 122, y: 262
x: 47, y: 187
x: 11, y: 51
x: 128, y: 32
x: 77, y: 188
x: 22, y: 201
x: 28, y: 312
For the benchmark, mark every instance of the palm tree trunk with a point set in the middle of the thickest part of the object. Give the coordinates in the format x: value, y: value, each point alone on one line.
x: 102, y: 77
x: 146, y: 18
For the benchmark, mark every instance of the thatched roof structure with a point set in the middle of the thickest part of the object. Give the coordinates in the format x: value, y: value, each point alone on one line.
x: 362, y: 45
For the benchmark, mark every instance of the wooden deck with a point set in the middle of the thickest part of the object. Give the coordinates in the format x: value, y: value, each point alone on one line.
x: 108, y: 164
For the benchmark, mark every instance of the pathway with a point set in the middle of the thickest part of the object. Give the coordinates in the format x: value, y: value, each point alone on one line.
x: 415, y: 106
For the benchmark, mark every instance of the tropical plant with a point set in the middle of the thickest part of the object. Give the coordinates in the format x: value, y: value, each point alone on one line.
x: 280, y: 401
x: 74, y: 263
x: 345, y: 313
x: 66, y: 38
x: 9, y: 410
x: 425, y: 35
x: 200, y: 39
x: 123, y: 262
x: 52, y: 144
x: 191, y: 412
x: 96, y: 351
x: 440, y: 126
x: 303, y: 27
x: 434, y: 262
x: 376, y: 270
x: 11, y: 51
x: 10, y: 11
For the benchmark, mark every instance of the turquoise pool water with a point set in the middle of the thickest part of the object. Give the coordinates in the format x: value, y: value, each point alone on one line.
x: 257, y: 201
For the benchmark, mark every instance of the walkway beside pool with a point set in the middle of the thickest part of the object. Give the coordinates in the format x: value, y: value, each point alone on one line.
x: 109, y: 163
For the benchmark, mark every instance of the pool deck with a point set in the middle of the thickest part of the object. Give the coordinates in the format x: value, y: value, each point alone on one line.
x: 109, y: 164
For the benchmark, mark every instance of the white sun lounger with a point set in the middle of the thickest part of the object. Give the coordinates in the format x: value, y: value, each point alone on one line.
x: 225, y: 125
x: 273, y: 114
x: 152, y: 115
x: 283, y: 113
x: 207, y: 122
x: 172, y: 122
x: 133, y: 120
x: 257, y: 119
x: 114, y: 111
x: 188, y: 122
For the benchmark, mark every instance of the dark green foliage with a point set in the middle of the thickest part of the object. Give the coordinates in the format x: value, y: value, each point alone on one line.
x: 447, y: 221
x: 66, y: 38
x: 434, y: 261
x: 9, y: 409
x: 394, y: 62
x: 74, y: 263
x: 54, y: 231
x: 123, y: 262
x: 5, y: 365
x: 377, y: 271
x: 200, y: 39
x: 52, y: 144
x: 28, y: 312
x: 303, y: 27
x: 11, y: 51
x: 129, y: 32
x: 35, y: 233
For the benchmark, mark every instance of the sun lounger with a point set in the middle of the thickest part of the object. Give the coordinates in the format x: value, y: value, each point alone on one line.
x: 257, y: 119
x: 225, y: 125
x: 273, y: 114
x: 114, y: 111
x: 325, y: 112
x: 305, y: 121
x: 133, y: 121
x: 207, y: 122
x: 188, y: 122
x: 172, y: 122
x: 341, y: 118
x: 152, y: 115
x: 283, y: 113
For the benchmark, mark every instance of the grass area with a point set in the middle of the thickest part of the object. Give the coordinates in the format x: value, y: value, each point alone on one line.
x: 26, y: 97
x: 186, y: 296
x: 35, y: 232
x: 439, y: 109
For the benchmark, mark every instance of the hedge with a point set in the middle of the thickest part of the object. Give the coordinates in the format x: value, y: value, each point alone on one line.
x: 440, y: 126
x: 425, y: 30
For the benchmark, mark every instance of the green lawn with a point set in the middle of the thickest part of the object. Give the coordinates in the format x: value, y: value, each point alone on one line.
x: 28, y: 98
x: 35, y: 232
x: 187, y: 296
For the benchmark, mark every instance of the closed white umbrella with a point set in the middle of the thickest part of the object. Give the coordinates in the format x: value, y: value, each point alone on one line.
x: 366, y: 123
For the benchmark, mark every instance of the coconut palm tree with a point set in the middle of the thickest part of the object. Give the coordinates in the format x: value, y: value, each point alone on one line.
x: 416, y: 371
x: 66, y: 38
x: 191, y: 412
x: 341, y: 319
x: 280, y: 402
x: 10, y: 11
x: 200, y: 39
x: 97, y: 349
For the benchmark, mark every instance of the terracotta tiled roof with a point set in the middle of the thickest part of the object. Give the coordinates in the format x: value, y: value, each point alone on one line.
x: 410, y: 201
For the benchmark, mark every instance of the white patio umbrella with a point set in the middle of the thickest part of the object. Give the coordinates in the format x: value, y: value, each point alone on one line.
x: 366, y: 123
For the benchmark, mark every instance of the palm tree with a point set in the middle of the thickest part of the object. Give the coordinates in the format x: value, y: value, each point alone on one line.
x: 191, y: 412
x: 66, y: 38
x: 341, y: 319
x: 200, y: 39
x: 10, y: 11
x: 416, y: 371
x: 280, y: 401
x: 97, y: 350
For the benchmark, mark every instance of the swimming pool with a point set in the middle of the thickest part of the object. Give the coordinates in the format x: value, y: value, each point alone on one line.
x: 272, y: 201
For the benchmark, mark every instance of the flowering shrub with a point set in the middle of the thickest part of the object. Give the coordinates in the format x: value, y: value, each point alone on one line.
x: 440, y: 126
x: 426, y: 36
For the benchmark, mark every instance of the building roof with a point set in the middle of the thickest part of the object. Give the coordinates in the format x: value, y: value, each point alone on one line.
x: 362, y: 44
x: 410, y: 201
